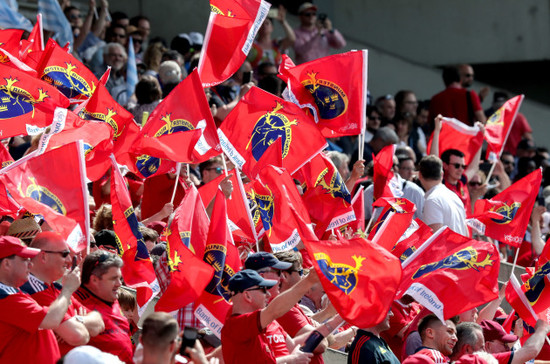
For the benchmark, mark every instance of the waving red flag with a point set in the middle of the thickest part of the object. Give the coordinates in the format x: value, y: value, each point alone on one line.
x: 231, y: 30
x: 499, y: 125
x: 238, y: 211
x: 26, y: 103
x: 412, y: 239
x: 222, y: 255
x: 338, y: 99
x: 96, y: 136
x: 32, y: 48
x: 66, y: 73
x: 505, y: 216
x: 456, y: 134
x: 189, y: 274
x: 258, y: 120
x: 9, y: 41
x: 53, y: 185
x: 451, y: 273
x: 138, y: 270
x: 5, y: 156
x: 326, y: 196
x: 358, y: 204
x: 8, y: 206
x: 393, y: 222
x: 385, y: 182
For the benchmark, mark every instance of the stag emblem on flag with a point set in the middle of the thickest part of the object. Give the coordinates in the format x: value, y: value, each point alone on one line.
x: 341, y: 275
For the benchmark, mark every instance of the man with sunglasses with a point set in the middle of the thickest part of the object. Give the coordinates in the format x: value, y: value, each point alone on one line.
x: 26, y: 334
x: 53, y: 261
x: 101, y: 279
x: 244, y: 332
x: 315, y: 36
x: 210, y: 169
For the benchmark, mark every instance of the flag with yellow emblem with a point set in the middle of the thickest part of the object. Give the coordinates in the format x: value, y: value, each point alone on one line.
x: 499, y: 125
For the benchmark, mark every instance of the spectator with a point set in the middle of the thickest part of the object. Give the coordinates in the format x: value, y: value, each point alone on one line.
x: 148, y: 94
x: 386, y: 108
x: 467, y: 80
x: 159, y: 338
x: 315, y: 36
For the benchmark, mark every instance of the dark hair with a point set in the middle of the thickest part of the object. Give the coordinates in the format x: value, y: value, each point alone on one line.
x: 159, y: 330
x: 430, y: 321
x: 118, y: 15
x: 136, y: 19
x: 446, y: 155
x: 262, y: 67
x: 69, y: 8
x: 110, y: 31
x: 148, y: 90
x: 430, y: 167
x: 371, y: 109
x: 209, y: 163
x: 98, y: 263
x: 271, y: 84
x: 450, y: 75
x: 400, y: 99
x: 148, y: 234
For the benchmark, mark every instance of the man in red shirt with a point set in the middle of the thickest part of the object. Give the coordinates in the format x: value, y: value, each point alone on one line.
x: 244, y: 332
x: 26, y: 334
x: 47, y: 267
x: 101, y: 279
x: 438, y: 340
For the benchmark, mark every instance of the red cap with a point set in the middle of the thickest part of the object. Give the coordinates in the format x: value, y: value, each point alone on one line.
x: 10, y: 245
x: 493, y: 331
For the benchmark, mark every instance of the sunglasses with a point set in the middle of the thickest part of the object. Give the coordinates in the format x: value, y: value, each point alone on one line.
x: 300, y: 272
x: 263, y: 289
x: 63, y: 253
x: 458, y: 165
x: 475, y: 184
x: 218, y: 170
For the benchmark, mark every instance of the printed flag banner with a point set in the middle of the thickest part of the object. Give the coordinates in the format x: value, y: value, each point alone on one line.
x: 505, y: 216
x: 412, y: 239
x: 256, y: 123
x: 386, y: 183
x: 231, y: 30
x: 53, y: 185
x: 451, y: 273
x: 138, y: 269
x: 467, y: 139
x: 212, y: 307
x: 499, y: 125
x: 9, y: 41
x: 189, y: 274
x: 393, y: 222
x: 532, y: 299
x: 66, y: 73
x: 358, y: 204
x: 32, y: 48
x: 26, y: 103
x: 326, y: 196
x: 338, y: 99
x: 5, y: 156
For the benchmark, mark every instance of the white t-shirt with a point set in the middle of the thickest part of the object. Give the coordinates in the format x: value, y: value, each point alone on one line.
x: 443, y: 206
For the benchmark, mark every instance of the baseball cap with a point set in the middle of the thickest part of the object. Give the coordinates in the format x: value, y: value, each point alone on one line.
x: 306, y: 6
x: 89, y: 355
x: 247, y: 278
x: 10, y: 245
x: 493, y: 331
x: 196, y: 39
x: 261, y: 260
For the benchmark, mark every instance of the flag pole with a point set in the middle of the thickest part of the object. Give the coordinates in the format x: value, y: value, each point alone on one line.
x: 490, y: 174
x: 178, y: 171
x: 370, y: 222
x: 514, y: 265
x: 225, y: 168
x: 361, y: 145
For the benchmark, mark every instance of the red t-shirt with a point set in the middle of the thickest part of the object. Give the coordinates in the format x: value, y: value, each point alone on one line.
x: 44, y: 295
x: 504, y: 358
x: 244, y: 340
x: 21, y: 339
x: 519, y: 127
x: 115, y: 339
x: 452, y: 103
x: 276, y: 337
x: 427, y: 356
x: 293, y: 321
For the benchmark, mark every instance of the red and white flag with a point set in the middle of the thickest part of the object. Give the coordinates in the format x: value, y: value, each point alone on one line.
x: 499, y: 125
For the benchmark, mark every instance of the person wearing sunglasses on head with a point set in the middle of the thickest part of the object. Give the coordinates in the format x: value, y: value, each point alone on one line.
x: 53, y: 261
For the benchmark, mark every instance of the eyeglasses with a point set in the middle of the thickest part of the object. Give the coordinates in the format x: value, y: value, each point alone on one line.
x: 474, y: 184
x: 300, y: 272
x: 263, y: 289
x: 218, y: 170
x: 63, y: 253
x: 308, y: 14
x: 458, y: 165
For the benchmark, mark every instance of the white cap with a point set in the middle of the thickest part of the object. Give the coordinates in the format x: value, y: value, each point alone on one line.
x: 90, y: 355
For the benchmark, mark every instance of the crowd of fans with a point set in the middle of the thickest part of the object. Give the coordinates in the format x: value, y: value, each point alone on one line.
x: 79, y: 312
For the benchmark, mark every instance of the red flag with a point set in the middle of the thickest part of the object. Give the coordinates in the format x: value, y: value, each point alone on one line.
x: 505, y: 216
x: 258, y: 120
x: 499, y: 125
x: 96, y: 136
x: 456, y: 134
x: 189, y: 274
x: 273, y: 196
x: 326, y: 196
x: 412, y: 239
x: 359, y: 278
x: 231, y: 30
x: 222, y: 255
x: 358, y: 204
x: 9, y: 41
x: 8, y: 206
x: 532, y: 299
x: 138, y: 270
x: 53, y: 185
x: 385, y: 181
x: 238, y: 211
x: 65, y: 72
x: 5, y: 156
x: 451, y: 273
x: 393, y: 222
x: 272, y: 156
x: 338, y: 99
x: 32, y: 48
x: 26, y: 103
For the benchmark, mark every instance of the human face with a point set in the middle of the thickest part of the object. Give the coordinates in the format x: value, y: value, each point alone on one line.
x: 406, y: 169
x: 308, y: 17
x: 466, y: 75
x: 422, y: 117
x: 468, y: 316
x: 107, y: 286
x: 272, y: 274
x: 373, y: 121
x: 291, y: 277
x: 454, y: 169
x: 144, y: 27
x: 496, y: 346
x: 445, y: 337
x: 21, y: 267
x: 258, y: 296
x: 115, y: 58
x: 409, y: 104
x: 387, y: 108
x: 56, y: 261
x: 211, y: 172
x: 508, y: 162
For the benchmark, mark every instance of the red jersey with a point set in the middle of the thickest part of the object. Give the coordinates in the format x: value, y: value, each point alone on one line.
x: 293, y: 321
x: 453, y: 103
x: 44, y: 295
x: 462, y: 192
x: 244, y: 340
x: 276, y: 337
x: 115, y: 339
x: 21, y: 339
x: 426, y: 355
